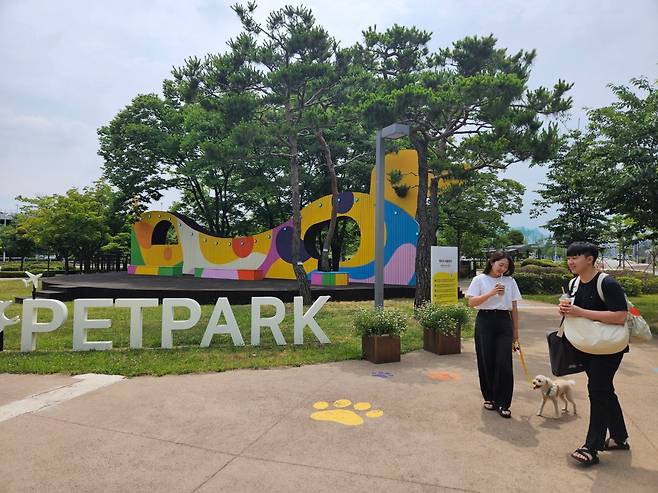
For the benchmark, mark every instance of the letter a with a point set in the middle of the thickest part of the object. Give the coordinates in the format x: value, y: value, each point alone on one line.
x: 231, y: 327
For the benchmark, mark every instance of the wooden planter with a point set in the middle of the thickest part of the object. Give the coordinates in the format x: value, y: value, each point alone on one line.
x: 435, y: 342
x: 381, y: 348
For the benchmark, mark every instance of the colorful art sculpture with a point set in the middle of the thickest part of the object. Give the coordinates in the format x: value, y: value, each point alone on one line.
x: 269, y: 254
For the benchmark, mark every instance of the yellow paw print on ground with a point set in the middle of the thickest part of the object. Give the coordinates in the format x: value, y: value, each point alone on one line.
x: 339, y: 413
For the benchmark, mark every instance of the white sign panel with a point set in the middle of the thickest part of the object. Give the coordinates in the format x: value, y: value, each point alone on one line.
x: 444, y: 275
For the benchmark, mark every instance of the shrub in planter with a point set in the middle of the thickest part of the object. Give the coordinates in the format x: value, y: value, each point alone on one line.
x: 442, y: 326
x: 401, y: 190
x: 632, y: 286
x: 380, y: 331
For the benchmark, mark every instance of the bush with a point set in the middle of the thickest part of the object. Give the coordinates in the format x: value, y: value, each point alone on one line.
x: 650, y: 286
x: 540, y: 262
x: 445, y: 318
x: 554, y: 283
x: 537, y: 269
x: 629, y: 273
x: 20, y: 273
x: 528, y: 283
x: 377, y: 321
x: 632, y: 286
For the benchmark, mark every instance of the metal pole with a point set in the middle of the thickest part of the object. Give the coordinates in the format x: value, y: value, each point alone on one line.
x: 4, y: 216
x: 379, y: 222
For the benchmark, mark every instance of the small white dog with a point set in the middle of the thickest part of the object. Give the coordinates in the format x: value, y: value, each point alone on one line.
x: 550, y: 389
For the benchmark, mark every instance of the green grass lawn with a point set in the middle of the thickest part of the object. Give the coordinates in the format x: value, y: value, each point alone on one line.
x: 646, y: 303
x: 54, y: 353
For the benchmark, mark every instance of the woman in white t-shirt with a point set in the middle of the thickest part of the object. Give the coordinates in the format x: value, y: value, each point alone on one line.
x: 495, y: 293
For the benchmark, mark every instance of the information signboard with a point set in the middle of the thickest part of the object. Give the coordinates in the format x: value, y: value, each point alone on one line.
x: 444, y: 275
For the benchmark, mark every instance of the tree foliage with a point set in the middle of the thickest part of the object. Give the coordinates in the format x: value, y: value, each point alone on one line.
x: 471, y: 213
x: 468, y: 107
x: 76, y: 224
x: 626, y: 151
x: 571, y: 190
x: 609, y: 170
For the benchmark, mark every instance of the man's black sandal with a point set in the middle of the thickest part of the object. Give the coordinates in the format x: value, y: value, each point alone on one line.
x: 617, y: 446
x: 489, y: 406
x: 505, y: 413
x: 585, y: 456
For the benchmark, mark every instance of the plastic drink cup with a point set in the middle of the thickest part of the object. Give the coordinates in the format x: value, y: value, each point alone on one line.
x: 565, y: 299
x: 501, y: 293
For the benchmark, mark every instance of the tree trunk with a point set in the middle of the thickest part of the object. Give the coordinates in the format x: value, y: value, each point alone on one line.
x: 22, y: 262
x: 428, y: 222
x: 328, y: 240
x: 66, y: 264
x: 337, y: 247
x: 459, y: 249
x: 297, y: 266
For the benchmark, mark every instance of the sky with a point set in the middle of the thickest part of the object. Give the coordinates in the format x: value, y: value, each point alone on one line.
x: 70, y: 65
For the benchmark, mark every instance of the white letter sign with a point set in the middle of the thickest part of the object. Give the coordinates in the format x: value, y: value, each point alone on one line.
x: 136, y: 317
x: 231, y: 327
x: 81, y: 323
x: 272, y: 322
x: 303, y: 319
x: 169, y: 323
x: 31, y: 327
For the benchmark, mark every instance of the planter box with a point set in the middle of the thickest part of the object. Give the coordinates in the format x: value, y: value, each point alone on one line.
x: 381, y: 348
x: 435, y: 342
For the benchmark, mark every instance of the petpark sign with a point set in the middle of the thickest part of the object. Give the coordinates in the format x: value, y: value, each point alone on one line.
x: 82, y: 324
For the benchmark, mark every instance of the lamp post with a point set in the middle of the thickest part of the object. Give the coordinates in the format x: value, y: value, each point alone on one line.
x: 4, y: 217
x: 394, y: 131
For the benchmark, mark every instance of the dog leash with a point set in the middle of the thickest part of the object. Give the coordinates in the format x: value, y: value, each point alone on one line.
x: 516, y: 346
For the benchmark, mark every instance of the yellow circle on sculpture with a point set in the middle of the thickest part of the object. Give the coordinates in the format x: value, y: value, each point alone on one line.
x: 342, y: 403
x: 321, y: 405
x: 362, y: 406
x: 375, y: 414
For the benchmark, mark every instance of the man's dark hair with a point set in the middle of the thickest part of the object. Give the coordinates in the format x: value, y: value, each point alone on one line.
x: 495, y: 257
x: 583, y: 248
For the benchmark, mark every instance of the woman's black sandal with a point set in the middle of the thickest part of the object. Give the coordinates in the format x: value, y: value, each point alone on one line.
x: 505, y: 413
x: 585, y: 456
x: 489, y: 406
x: 617, y: 446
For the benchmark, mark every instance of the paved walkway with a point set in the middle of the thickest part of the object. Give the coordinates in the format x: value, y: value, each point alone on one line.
x: 252, y: 430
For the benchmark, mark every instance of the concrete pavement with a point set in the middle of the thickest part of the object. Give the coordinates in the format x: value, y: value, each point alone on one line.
x: 253, y: 430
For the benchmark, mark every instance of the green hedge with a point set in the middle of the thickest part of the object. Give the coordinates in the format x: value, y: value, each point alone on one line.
x: 540, y: 262
x: 629, y: 273
x: 533, y: 279
x: 549, y: 283
x: 632, y: 286
x: 529, y: 283
x: 21, y: 273
x: 537, y: 269
x: 650, y: 286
